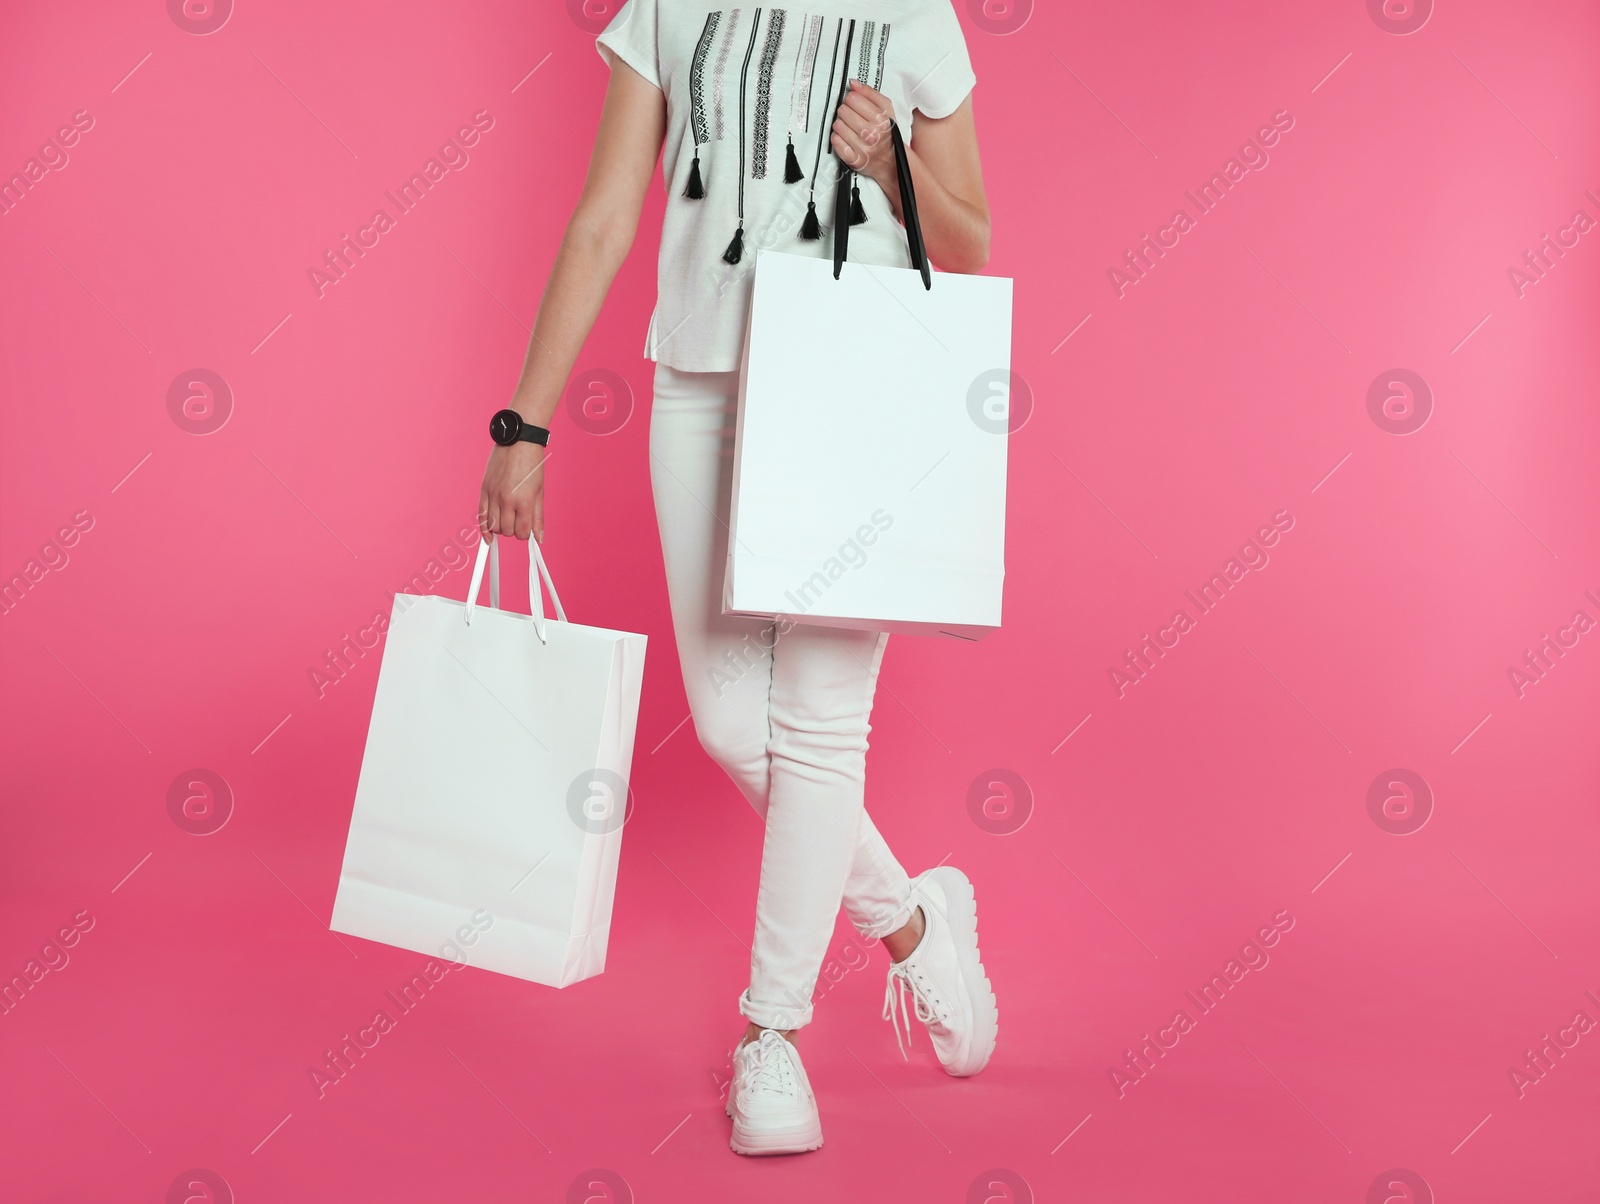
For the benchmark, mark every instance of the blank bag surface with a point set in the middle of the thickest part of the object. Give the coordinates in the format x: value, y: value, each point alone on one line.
x: 493, y: 787
x: 870, y: 473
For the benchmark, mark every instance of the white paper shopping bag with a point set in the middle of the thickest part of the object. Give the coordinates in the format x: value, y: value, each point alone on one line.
x: 488, y: 816
x: 870, y: 473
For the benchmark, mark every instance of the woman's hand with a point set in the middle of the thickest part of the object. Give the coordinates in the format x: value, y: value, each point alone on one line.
x: 861, y: 134
x: 511, y: 500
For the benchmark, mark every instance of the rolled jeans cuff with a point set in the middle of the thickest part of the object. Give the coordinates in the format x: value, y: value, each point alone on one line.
x: 783, y: 1017
x: 896, y: 920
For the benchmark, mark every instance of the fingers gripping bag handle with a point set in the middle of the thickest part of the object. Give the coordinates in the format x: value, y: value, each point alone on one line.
x: 908, y: 196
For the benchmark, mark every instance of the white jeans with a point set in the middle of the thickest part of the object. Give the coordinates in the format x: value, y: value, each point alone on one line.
x: 782, y: 708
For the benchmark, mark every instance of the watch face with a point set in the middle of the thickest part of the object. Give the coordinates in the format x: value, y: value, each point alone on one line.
x: 505, y: 426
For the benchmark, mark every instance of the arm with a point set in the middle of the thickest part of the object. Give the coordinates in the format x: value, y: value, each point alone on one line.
x: 945, y: 172
x: 598, y: 236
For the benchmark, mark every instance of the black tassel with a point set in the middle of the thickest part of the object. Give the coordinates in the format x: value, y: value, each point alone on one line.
x: 791, y: 167
x: 696, y: 189
x: 857, y: 213
x: 735, y: 251
x: 811, y: 229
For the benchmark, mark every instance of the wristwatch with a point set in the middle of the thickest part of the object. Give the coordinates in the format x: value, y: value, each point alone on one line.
x: 507, y: 427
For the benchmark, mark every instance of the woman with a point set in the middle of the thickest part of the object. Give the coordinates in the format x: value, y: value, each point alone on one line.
x: 742, y: 106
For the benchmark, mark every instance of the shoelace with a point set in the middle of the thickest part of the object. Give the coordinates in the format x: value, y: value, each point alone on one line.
x: 767, y: 1066
x: 901, y: 977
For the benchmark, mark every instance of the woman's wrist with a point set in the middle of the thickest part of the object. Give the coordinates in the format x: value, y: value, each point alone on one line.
x: 888, y: 179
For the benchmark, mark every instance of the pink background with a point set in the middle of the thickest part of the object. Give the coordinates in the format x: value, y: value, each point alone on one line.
x: 1228, y: 785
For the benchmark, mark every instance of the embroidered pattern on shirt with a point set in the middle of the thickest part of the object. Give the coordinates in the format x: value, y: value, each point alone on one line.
x: 697, y: 79
x: 769, y: 59
x: 822, y: 125
x: 883, y: 46
x: 805, y: 67
x: 865, y: 62
x: 722, y: 69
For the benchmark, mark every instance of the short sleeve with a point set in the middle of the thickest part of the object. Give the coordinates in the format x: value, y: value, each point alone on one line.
x: 631, y: 37
x: 948, y: 78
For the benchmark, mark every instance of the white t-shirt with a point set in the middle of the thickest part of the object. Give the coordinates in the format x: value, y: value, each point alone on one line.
x: 780, y: 61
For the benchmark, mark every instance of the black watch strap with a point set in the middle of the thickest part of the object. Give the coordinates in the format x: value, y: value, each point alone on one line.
x: 507, y: 427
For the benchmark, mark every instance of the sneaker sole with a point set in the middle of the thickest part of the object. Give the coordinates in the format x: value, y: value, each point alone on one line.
x: 783, y: 1141
x: 961, y: 911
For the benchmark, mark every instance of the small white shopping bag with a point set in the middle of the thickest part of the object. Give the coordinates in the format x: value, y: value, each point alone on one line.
x: 870, y: 464
x: 489, y: 812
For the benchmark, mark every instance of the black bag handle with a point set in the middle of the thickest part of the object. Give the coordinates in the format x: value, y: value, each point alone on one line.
x: 908, y: 205
x: 908, y: 195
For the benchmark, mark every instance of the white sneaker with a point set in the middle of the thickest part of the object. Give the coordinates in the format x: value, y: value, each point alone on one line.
x: 770, y: 1099
x: 945, y: 975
